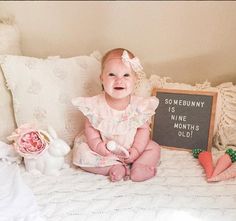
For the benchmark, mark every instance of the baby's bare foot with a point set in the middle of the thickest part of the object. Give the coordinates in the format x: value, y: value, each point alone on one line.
x: 141, y: 172
x: 117, y: 172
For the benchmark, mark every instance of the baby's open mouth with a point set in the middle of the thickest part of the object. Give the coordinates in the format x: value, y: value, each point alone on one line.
x: 119, y: 88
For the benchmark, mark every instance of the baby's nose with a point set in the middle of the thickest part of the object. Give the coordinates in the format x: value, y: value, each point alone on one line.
x: 119, y: 78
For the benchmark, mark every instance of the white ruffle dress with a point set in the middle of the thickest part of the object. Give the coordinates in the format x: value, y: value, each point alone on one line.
x: 116, y: 125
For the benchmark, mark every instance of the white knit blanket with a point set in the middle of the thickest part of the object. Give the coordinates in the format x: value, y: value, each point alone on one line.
x: 178, y: 192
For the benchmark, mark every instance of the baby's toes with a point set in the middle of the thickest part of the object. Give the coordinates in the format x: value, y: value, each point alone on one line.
x: 115, y: 177
x: 116, y: 173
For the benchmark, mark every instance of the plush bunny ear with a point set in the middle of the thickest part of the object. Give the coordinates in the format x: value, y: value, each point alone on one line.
x: 52, y: 132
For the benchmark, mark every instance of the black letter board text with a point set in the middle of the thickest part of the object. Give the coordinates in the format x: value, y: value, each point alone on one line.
x: 184, y: 119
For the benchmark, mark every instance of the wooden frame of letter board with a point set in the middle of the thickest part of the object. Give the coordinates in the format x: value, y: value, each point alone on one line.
x: 213, y: 111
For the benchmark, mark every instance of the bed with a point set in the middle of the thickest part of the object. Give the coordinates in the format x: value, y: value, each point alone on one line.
x: 178, y: 192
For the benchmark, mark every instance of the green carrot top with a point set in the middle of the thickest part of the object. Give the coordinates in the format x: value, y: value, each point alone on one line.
x: 196, y: 152
x: 232, y: 154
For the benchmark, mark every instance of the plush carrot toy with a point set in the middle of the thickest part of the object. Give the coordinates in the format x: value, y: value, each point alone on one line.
x: 229, y: 173
x: 205, y: 159
x: 224, y: 161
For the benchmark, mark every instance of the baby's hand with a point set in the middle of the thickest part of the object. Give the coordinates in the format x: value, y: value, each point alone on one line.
x: 102, y: 150
x: 118, y: 150
x: 133, y: 155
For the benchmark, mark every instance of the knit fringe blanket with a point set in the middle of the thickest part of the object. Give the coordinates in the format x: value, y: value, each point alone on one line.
x: 178, y: 192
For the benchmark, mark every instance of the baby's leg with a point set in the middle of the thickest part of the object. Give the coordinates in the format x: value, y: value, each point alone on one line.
x: 145, y: 166
x: 115, y: 172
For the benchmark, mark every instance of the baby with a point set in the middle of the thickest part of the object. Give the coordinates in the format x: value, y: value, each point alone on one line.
x: 116, y: 138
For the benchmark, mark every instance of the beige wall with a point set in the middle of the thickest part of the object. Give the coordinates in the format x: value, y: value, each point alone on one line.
x: 188, y: 41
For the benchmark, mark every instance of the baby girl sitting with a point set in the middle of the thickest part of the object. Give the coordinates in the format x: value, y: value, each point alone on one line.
x: 116, y: 139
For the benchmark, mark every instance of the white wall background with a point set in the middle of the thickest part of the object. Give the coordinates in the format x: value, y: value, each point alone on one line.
x: 188, y: 41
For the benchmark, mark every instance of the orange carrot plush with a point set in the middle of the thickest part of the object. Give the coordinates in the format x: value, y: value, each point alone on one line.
x: 224, y: 161
x: 205, y: 159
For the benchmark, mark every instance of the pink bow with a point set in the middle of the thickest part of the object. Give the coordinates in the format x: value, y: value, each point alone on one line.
x: 134, y: 62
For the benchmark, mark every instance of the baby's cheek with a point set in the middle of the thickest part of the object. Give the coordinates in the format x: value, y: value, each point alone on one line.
x: 130, y: 86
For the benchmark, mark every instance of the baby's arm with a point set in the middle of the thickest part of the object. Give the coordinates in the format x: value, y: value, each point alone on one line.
x: 141, y: 140
x: 94, y: 140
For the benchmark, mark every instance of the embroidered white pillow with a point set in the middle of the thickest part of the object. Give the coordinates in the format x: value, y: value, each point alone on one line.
x: 42, y: 90
x: 9, y: 44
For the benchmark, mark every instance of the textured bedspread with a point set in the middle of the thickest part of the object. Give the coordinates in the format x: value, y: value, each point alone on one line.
x: 178, y: 192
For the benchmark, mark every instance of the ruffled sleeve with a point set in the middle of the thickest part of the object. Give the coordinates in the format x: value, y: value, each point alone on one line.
x: 144, y: 109
x: 87, y: 105
x: 83, y: 104
x: 147, y: 106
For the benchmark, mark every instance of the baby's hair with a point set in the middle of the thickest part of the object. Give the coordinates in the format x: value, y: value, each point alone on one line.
x: 115, y: 53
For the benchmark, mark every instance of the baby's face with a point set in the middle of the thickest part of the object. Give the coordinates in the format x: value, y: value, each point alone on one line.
x: 118, y: 79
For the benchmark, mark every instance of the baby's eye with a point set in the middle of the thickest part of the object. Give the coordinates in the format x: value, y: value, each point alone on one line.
x: 126, y: 75
x: 111, y: 74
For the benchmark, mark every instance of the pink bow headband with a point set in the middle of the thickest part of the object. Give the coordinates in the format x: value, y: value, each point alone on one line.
x: 133, y: 62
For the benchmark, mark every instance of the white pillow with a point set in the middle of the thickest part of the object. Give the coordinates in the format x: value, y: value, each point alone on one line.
x: 42, y: 90
x: 9, y: 44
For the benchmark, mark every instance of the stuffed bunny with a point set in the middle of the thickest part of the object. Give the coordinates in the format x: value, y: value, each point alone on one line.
x: 52, y: 159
